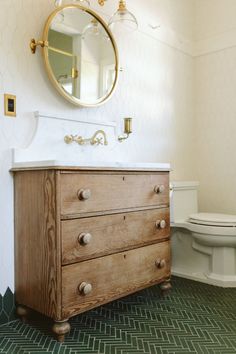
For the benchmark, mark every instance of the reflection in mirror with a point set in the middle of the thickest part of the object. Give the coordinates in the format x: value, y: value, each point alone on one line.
x: 81, y: 55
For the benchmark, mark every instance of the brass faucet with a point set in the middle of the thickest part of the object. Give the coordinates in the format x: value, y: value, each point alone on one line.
x: 97, y: 141
x: 94, y: 140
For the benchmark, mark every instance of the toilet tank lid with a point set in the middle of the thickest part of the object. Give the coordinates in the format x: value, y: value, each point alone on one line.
x: 213, y: 219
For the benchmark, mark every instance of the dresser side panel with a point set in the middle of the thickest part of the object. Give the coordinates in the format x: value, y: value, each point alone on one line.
x: 36, y: 242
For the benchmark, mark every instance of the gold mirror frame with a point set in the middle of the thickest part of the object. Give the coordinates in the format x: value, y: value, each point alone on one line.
x: 44, y: 44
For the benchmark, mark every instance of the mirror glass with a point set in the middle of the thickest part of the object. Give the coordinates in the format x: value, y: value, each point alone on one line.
x: 81, y: 55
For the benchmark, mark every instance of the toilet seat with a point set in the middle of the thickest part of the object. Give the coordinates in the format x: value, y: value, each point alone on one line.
x: 211, y: 219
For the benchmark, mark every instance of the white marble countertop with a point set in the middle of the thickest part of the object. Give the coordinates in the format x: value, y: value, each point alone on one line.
x: 88, y: 165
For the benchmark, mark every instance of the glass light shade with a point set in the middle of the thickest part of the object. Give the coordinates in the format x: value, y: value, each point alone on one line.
x: 85, y: 3
x: 57, y: 3
x: 123, y: 17
x: 92, y: 29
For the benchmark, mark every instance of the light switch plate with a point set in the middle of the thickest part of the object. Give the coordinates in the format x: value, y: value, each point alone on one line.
x: 9, y: 105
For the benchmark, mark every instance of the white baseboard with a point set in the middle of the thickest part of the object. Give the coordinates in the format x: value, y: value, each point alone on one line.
x: 200, y: 277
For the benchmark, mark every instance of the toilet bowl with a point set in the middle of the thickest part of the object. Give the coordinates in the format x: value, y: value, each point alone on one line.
x: 207, y: 240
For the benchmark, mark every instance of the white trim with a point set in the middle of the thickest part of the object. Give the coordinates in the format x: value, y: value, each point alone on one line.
x: 184, y: 46
x: 214, y: 44
x: 184, y: 185
x: 38, y: 114
x: 114, y: 165
x: 202, y: 278
x: 174, y: 40
x: 160, y: 33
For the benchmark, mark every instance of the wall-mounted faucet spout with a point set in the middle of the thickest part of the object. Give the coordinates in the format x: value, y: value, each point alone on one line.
x: 95, y: 140
x: 99, y: 138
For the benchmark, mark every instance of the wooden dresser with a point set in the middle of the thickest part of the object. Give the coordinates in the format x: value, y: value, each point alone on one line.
x: 84, y: 237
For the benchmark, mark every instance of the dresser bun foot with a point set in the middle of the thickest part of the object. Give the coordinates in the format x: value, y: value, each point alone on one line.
x: 23, y: 312
x: 61, y: 328
x: 165, y: 287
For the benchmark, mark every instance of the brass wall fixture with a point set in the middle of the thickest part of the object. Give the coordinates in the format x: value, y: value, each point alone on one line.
x: 34, y: 44
x: 99, y: 138
x: 127, y: 129
x: 101, y: 2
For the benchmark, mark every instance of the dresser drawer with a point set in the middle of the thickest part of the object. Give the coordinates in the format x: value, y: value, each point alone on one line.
x: 84, y: 193
x: 91, y: 283
x: 93, y: 237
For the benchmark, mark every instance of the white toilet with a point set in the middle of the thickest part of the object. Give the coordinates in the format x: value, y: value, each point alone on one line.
x: 203, y: 244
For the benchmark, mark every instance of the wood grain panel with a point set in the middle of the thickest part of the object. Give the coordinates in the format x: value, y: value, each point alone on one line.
x: 112, y: 276
x: 109, y: 191
x: 112, y: 233
x: 36, y: 244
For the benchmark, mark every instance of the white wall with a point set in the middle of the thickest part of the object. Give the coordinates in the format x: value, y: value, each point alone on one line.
x: 178, y: 83
x: 215, y: 104
x: 156, y: 88
x: 214, y: 17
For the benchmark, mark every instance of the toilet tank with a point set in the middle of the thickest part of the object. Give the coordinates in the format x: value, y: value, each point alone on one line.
x: 183, y: 200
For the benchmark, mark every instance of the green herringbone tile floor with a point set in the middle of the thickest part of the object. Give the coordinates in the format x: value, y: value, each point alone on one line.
x: 193, y: 318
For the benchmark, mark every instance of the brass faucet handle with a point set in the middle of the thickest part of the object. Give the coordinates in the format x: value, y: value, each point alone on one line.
x: 99, y: 141
x: 68, y: 139
x: 82, y: 141
x: 96, y: 141
x: 79, y: 140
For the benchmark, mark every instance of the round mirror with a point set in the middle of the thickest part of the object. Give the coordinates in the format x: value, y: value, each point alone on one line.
x: 81, y: 55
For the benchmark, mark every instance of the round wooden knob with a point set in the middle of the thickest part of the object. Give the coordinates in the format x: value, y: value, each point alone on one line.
x: 85, y: 288
x: 160, y: 224
x: 159, y: 189
x: 84, y: 194
x: 160, y: 263
x: 85, y: 238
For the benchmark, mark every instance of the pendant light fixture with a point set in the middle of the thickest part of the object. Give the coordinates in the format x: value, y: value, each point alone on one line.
x: 93, y: 28
x: 61, y: 16
x: 85, y: 3
x: 123, y: 17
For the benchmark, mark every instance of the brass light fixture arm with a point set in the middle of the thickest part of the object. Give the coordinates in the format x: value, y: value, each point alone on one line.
x: 127, y: 129
x: 34, y: 44
x: 122, y: 4
x: 101, y: 2
x: 94, y: 140
x: 123, y: 137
